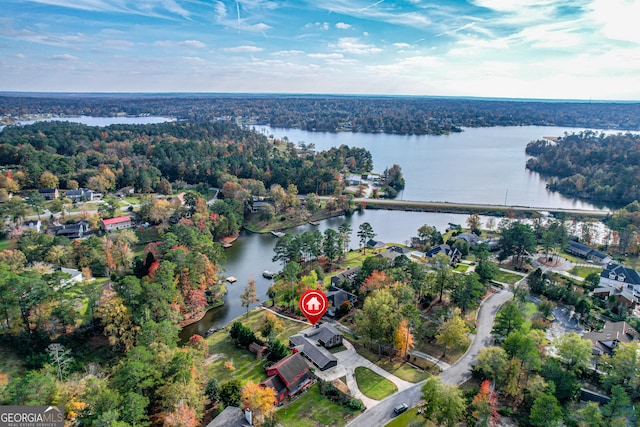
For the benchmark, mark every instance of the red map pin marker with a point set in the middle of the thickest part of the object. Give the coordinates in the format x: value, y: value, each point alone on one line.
x: 313, y: 305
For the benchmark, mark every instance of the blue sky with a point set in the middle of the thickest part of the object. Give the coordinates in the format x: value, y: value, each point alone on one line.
x: 577, y: 49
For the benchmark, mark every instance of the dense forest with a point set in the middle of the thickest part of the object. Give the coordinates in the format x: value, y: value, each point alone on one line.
x: 591, y: 165
x: 399, y: 115
x: 144, y: 156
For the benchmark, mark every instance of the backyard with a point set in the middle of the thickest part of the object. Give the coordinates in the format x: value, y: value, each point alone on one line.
x: 313, y: 409
x: 373, y: 385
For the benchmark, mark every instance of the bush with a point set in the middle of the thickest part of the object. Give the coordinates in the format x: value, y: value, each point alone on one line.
x: 355, y: 404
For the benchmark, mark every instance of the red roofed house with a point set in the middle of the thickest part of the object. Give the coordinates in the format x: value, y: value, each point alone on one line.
x: 117, y: 223
x: 288, y: 377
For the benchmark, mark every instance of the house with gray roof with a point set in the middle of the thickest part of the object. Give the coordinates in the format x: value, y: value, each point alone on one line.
x: 337, y: 297
x: 472, y: 239
x: 346, y: 275
x: 618, y: 275
x: 453, y: 253
x: 587, y: 252
x: 231, y: 416
x: 621, y: 294
x: 613, y: 333
x: 313, y: 345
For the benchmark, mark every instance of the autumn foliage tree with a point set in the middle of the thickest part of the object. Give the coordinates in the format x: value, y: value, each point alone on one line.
x: 260, y: 401
x: 248, y: 297
x: 404, y: 340
x: 485, y: 405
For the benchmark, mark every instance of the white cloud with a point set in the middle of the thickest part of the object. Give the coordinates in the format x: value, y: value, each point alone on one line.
x: 618, y: 19
x: 192, y: 44
x: 325, y: 55
x: 321, y: 25
x: 402, y: 45
x: 287, y: 52
x: 63, y: 57
x: 246, y: 48
x: 19, y: 56
x: 342, y: 26
x: 354, y: 46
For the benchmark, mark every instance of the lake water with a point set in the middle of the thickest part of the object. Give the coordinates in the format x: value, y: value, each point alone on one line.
x: 479, y: 165
x: 251, y: 254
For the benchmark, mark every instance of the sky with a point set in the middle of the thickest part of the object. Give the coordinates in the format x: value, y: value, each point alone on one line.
x: 553, y: 49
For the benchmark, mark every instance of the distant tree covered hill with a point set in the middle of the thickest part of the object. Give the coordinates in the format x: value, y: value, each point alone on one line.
x: 591, y: 165
x: 398, y: 115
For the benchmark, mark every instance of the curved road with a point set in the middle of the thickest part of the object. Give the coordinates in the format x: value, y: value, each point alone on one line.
x: 458, y: 373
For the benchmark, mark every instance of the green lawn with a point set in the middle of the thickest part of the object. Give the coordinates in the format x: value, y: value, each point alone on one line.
x: 409, y: 418
x: 584, y: 271
x: 401, y: 370
x: 505, y: 277
x: 5, y: 244
x: 313, y: 409
x: 462, y: 268
x: 373, y: 385
x: 247, y: 366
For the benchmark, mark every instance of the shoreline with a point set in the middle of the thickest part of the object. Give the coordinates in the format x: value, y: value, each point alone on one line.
x: 200, y: 316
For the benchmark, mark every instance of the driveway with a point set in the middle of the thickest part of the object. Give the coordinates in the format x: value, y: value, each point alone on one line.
x: 382, y: 412
x: 348, y: 361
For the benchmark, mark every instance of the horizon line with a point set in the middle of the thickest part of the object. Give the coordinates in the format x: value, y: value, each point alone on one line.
x: 317, y: 95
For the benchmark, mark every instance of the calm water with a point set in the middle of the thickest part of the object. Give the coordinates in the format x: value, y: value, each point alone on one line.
x: 101, y: 121
x: 479, y: 165
x: 251, y: 254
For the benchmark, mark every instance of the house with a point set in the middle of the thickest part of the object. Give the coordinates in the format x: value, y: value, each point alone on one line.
x: 313, y: 345
x: 605, y: 341
x: 31, y: 225
x: 231, y: 416
x: 622, y: 295
x: 76, y: 277
x: 472, y: 239
x: 117, y: 223
x: 326, y: 335
x: 81, y: 194
x: 393, y: 252
x: 70, y: 231
x: 589, y: 253
x: 348, y: 275
x: 288, y: 377
x: 492, y: 244
x: 615, y: 275
x: 337, y: 297
x: 257, y: 204
x: 453, y: 253
x: 48, y: 193
x: 374, y: 244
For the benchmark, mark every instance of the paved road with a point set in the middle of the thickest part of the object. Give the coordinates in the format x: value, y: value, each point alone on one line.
x: 382, y: 413
x: 444, y: 205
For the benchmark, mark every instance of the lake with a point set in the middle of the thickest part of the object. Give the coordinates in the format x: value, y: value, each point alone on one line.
x: 479, y: 165
x: 101, y: 121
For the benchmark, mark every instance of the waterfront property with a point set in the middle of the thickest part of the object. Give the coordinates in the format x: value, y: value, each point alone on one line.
x: 288, y: 377
x: 337, y: 297
x: 313, y: 344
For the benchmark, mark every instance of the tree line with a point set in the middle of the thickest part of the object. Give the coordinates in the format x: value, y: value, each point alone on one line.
x: 322, y: 113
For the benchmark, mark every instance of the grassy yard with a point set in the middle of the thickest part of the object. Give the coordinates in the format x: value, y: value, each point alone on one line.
x: 313, y: 409
x: 401, y: 370
x: 584, y: 271
x: 245, y: 365
x: 462, y: 268
x: 505, y: 277
x: 409, y: 418
x: 5, y: 244
x: 373, y: 385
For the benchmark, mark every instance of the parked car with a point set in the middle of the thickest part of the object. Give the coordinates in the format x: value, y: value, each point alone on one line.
x: 400, y: 408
